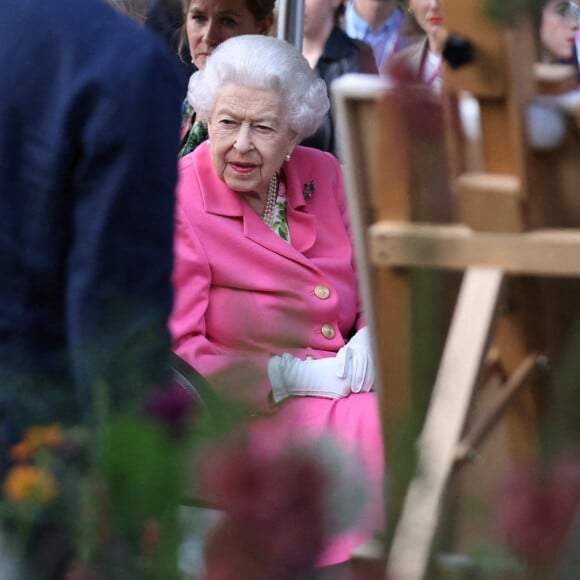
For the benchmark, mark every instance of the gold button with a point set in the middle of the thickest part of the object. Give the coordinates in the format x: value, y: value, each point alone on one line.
x: 327, y: 331
x: 310, y: 357
x: 322, y: 292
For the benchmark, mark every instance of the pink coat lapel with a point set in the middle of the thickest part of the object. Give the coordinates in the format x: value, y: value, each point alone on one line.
x: 218, y: 198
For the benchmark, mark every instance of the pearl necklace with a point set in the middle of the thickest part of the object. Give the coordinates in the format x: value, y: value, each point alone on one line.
x: 270, y: 205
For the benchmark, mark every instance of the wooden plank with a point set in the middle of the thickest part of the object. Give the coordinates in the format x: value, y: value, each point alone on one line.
x: 378, y: 180
x: 392, y: 179
x: 354, y: 98
x: 368, y: 561
x: 554, y: 79
x: 521, y: 53
x: 501, y: 55
x: 460, y: 367
x: 490, y: 202
x: 555, y: 185
x: 456, y: 247
x: 373, y: 183
x: 520, y: 331
x: 500, y: 131
x: 486, y: 77
x: 484, y: 424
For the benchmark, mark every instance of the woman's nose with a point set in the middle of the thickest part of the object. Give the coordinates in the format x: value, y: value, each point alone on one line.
x: 212, y: 33
x: 243, y: 142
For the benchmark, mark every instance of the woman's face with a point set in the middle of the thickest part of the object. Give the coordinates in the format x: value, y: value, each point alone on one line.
x: 210, y: 22
x: 558, y: 28
x: 319, y: 14
x: 427, y: 14
x: 249, y: 137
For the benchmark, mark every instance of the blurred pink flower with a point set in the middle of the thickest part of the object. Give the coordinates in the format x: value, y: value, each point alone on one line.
x: 171, y: 406
x: 536, y: 507
x: 275, y: 518
x: 82, y: 572
x: 229, y: 557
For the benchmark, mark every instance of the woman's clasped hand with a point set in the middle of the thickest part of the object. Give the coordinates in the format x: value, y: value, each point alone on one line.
x: 350, y: 371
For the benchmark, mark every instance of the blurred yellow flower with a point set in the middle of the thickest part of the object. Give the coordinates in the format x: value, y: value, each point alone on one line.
x: 21, y: 452
x: 43, y: 436
x: 49, y: 436
x: 27, y: 483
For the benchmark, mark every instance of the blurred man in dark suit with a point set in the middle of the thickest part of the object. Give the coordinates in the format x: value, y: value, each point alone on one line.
x: 89, y: 134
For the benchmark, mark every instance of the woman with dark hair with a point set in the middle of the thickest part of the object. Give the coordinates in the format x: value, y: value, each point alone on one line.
x: 331, y: 53
x: 207, y: 24
x: 165, y: 18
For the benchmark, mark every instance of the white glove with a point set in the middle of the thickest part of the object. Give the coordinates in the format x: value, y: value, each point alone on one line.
x: 355, y: 362
x: 290, y: 376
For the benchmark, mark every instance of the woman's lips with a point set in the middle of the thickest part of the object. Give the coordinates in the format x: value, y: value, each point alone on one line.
x: 242, y: 167
x: 434, y: 20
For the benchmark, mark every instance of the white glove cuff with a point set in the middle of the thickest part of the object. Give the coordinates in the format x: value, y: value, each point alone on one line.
x: 275, y: 375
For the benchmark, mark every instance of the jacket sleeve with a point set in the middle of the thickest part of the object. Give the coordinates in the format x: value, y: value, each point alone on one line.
x: 118, y: 292
x: 241, y: 376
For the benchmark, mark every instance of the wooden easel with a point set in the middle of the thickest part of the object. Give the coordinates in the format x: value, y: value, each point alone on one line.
x: 505, y: 243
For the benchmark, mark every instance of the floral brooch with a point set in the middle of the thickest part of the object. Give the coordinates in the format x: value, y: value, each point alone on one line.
x: 308, y: 190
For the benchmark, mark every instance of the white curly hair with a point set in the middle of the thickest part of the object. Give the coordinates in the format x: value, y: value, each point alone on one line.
x: 262, y: 62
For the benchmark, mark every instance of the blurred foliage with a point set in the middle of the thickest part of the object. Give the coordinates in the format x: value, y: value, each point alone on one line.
x: 506, y: 12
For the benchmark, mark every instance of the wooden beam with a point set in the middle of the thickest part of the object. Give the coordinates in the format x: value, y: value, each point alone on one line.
x: 539, y: 253
x: 490, y: 202
x: 460, y: 368
x: 486, y: 77
x: 554, y: 79
x: 493, y: 415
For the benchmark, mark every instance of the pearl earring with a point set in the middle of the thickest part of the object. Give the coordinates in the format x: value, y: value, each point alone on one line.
x: 288, y: 157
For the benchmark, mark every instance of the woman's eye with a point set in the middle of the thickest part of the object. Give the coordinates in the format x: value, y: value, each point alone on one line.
x: 229, y: 23
x: 564, y: 9
x: 264, y: 128
x: 198, y: 18
x: 226, y: 122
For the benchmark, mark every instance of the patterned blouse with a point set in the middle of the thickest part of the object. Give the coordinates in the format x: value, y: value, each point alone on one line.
x: 193, y: 132
x: 280, y: 223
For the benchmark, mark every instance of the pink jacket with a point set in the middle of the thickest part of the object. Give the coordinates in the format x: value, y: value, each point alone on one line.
x: 242, y: 292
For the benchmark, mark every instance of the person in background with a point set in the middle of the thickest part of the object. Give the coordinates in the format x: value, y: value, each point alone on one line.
x: 207, y: 24
x: 331, y: 53
x: 165, y: 18
x: 423, y: 58
x: 379, y: 23
x: 87, y: 175
x: 558, y: 31
x: 134, y: 9
x: 267, y: 304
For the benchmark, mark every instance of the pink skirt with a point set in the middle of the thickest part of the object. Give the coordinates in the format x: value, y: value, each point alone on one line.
x: 354, y: 423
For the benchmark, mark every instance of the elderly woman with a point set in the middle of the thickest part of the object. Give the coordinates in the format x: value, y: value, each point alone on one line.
x: 264, y: 275
x: 207, y: 24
